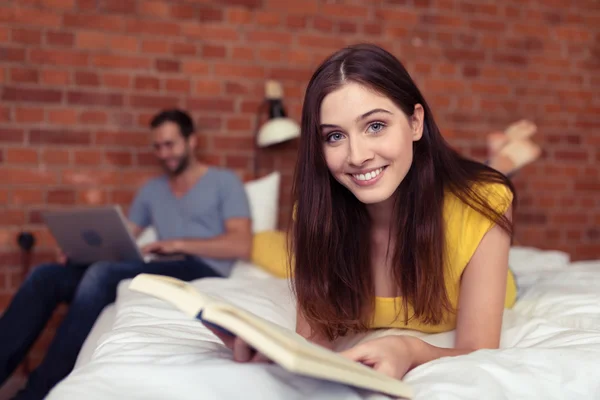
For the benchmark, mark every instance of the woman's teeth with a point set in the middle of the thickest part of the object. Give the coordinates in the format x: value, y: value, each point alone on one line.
x: 368, y: 176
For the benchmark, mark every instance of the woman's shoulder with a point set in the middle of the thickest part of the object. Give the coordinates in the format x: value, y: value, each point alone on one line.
x: 466, y: 224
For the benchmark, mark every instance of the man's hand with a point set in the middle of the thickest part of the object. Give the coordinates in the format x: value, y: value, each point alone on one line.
x: 162, y: 247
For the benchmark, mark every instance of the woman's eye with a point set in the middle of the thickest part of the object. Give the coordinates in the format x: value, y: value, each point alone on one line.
x: 376, y: 127
x: 334, y: 137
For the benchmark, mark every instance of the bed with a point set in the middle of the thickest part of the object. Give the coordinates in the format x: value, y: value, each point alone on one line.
x: 141, y: 348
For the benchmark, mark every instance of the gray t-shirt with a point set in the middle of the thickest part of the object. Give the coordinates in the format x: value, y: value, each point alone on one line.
x: 199, y: 214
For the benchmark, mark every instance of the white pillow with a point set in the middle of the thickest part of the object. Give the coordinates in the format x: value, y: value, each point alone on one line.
x: 263, y: 196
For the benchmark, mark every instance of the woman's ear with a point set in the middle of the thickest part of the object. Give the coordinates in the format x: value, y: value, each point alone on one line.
x: 416, y: 122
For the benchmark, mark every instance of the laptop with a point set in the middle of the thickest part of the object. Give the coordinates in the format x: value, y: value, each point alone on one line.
x: 91, y: 234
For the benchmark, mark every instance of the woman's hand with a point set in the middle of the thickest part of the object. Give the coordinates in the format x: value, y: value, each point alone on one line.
x: 242, y: 352
x: 391, y: 355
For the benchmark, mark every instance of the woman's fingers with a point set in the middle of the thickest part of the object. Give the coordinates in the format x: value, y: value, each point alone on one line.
x: 241, y: 351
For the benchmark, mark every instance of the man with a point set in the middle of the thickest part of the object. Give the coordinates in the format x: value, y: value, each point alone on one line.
x: 199, y: 211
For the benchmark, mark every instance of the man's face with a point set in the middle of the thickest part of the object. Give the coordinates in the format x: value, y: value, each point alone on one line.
x: 172, y: 149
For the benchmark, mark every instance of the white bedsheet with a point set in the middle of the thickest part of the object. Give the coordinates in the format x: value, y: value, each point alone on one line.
x: 550, y: 349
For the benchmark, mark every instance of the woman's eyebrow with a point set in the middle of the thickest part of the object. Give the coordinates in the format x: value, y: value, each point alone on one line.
x: 359, y: 118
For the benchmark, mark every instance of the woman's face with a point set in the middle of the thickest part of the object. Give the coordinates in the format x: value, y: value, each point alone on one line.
x: 367, y: 141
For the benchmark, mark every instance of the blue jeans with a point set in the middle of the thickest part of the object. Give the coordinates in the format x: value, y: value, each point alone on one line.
x: 88, y: 290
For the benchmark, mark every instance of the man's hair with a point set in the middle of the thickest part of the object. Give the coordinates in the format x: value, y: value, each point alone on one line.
x: 179, y: 117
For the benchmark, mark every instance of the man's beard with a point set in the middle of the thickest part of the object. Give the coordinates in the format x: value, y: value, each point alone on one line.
x: 183, y: 164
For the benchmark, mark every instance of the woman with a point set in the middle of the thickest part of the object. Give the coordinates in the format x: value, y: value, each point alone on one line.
x: 393, y: 228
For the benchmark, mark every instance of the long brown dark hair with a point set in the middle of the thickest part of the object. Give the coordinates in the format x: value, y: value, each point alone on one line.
x: 330, y: 237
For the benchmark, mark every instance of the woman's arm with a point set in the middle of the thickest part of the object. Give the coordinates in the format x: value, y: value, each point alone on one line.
x: 479, y: 319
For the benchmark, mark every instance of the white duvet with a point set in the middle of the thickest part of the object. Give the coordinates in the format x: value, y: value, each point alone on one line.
x: 550, y: 346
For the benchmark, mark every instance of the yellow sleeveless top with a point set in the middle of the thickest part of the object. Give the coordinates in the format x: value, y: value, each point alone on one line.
x: 465, y: 229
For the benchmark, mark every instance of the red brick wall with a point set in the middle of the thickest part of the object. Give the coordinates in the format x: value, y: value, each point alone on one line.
x: 80, y: 78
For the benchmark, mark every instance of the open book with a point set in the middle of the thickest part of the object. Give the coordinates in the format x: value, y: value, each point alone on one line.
x: 284, y: 347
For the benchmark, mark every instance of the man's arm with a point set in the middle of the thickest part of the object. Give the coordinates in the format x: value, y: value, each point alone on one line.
x: 236, y: 242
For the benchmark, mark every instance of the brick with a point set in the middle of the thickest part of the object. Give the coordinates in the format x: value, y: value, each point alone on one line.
x: 208, y: 87
x: 26, y: 36
x: 239, y: 124
x: 93, y: 117
x: 11, y: 54
x: 121, y: 62
x: 103, y: 23
x: 91, y: 40
x: 123, y: 139
x: 243, y: 54
x: 4, y: 34
x: 12, y: 93
x: 322, y: 24
x: 295, y: 22
x: 56, y: 156
x: 86, y: 78
x: 487, y: 25
x: 270, y: 55
x: 508, y: 58
x: 294, y: 74
x: 156, y: 102
x: 124, y: 43
x: 118, y: 158
x: 210, y: 104
x: 59, y: 4
x: 62, y: 116
x: 310, y: 40
x: 231, y: 142
x: 183, y: 49
x: 35, y: 17
x: 145, y: 158
x: 146, y: 83
x: 281, y: 38
x: 178, y: 85
x: 26, y: 197
x: 237, y: 70
x: 61, y: 196
x: 87, y: 5
x: 19, y: 155
x: 95, y: 99
x: 12, y: 217
x: 166, y: 65
x: 88, y: 157
x: 116, y: 80
x: 155, y: 46
x: 183, y: 11
x: 118, y: 6
x: 27, y: 176
x: 139, y: 27
x: 24, y: 75
x: 347, y: 27
x: 462, y: 55
x: 210, y: 33
x: 5, y: 115
x: 91, y: 177
x: 60, y: 39
x: 55, y: 77
x: 59, y: 57
x: 214, y: 51
x: 212, y: 123
x: 372, y: 29
x: 210, y: 14
x: 154, y: 8
x: 59, y: 137
x: 305, y: 7
x: 136, y: 178
x: 122, y: 196
x: 268, y: 18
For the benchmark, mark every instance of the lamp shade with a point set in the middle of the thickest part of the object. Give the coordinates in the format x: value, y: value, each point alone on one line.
x: 277, y: 130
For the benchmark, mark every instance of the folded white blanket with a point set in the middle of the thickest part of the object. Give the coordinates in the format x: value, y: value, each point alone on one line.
x: 550, y: 349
